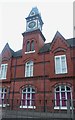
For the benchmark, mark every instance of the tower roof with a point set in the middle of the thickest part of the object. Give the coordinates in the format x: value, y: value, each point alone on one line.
x: 34, y: 12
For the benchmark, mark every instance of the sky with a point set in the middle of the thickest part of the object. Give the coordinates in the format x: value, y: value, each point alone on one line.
x: 56, y: 15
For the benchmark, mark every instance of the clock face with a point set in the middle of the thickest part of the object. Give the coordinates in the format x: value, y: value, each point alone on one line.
x: 32, y: 24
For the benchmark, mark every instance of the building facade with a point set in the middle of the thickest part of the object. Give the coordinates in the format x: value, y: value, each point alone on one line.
x: 41, y: 75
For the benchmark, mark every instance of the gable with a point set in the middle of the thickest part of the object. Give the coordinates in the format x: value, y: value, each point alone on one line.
x: 59, y: 43
x: 6, y: 53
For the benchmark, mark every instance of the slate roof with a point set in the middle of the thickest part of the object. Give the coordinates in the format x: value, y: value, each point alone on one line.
x: 17, y: 53
x: 45, y: 48
x: 71, y: 42
x: 35, y: 10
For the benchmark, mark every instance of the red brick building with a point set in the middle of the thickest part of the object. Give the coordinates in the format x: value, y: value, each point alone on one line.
x: 40, y: 74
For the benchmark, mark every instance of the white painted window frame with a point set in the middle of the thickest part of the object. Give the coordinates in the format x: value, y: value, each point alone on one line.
x: 60, y: 92
x: 30, y: 100
x: 4, y: 105
x: 29, y: 73
x: 60, y: 64
x: 3, y: 72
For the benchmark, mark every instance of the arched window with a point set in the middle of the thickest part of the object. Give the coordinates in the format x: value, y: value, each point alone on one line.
x: 3, y: 98
x: 28, y: 98
x: 32, y: 46
x: 29, y: 69
x: 62, y: 95
x: 28, y: 47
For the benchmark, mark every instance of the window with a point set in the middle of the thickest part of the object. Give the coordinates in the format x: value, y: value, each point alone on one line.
x: 3, y: 71
x: 30, y: 47
x: 29, y: 69
x: 62, y: 94
x: 60, y: 64
x: 3, y: 92
x: 28, y: 98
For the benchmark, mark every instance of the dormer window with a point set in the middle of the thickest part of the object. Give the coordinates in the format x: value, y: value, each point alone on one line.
x: 30, y: 47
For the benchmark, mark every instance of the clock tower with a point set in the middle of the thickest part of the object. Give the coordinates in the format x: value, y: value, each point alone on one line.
x: 34, y: 21
x: 33, y: 38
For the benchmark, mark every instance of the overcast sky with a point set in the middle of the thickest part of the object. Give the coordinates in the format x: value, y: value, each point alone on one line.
x: 57, y: 16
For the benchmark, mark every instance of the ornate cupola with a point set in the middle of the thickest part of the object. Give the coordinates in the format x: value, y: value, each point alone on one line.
x: 34, y: 20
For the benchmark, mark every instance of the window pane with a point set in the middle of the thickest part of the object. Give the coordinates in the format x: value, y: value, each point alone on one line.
x: 28, y: 46
x: 5, y: 71
x: 33, y: 90
x: 28, y: 102
x: 62, y: 88
x: 28, y: 96
x: 63, y: 61
x: 31, y: 70
x: 27, y: 71
x: 57, y: 65
x: 5, y: 99
x: 63, y: 99
x: 57, y: 89
x: 24, y: 90
x: 32, y: 46
x: 24, y: 99
x: 68, y: 95
x: 58, y: 99
x: 28, y: 89
x: 2, y: 72
x: 67, y: 88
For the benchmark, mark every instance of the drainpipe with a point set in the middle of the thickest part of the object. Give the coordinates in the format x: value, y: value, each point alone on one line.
x: 44, y: 83
x: 13, y: 91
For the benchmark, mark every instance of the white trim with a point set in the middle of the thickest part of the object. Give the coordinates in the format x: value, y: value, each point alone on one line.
x: 30, y: 52
x: 4, y: 105
x: 31, y: 107
x: 63, y: 108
